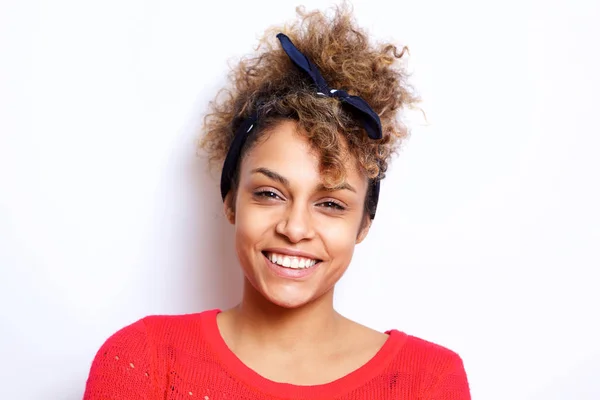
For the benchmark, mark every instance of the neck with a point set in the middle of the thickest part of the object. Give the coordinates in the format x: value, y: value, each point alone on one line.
x: 270, y: 325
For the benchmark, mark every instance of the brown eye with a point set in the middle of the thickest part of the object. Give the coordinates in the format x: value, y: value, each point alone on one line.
x: 333, y: 205
x: 268, y: 194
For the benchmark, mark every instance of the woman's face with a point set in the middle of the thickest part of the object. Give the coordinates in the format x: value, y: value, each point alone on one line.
x: 294, y: 238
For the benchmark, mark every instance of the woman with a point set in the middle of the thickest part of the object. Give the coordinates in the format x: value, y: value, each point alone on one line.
x: 301, y: 165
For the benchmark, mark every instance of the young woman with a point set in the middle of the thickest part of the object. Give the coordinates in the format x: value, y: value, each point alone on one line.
x: 303, y: 137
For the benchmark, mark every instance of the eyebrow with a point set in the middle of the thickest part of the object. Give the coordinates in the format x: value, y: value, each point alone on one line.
x: 285, y: 182
x: 272, y: 175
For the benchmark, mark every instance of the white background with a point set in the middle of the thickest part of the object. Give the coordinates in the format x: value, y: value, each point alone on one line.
x: 486, y: 239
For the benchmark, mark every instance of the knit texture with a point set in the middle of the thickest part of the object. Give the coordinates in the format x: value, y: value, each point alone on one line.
x: 184, y: 357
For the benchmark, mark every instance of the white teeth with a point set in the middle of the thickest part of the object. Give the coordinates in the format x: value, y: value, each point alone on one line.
x: 291, y: 262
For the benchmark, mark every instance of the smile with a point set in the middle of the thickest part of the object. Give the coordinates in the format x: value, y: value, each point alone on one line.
x: 298, y: 267
x: 293, y: 262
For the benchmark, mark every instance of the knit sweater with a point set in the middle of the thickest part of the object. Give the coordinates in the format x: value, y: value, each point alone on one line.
x: 184, y: 357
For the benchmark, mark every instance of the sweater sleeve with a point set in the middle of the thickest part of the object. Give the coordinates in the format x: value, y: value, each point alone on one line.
x: 122, y: 368
x: 452, y: 384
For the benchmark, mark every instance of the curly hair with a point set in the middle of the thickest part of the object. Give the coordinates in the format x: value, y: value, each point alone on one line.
x: 270, y: 85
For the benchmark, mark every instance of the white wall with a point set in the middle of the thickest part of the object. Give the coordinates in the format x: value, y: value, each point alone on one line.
x: 487, y: 235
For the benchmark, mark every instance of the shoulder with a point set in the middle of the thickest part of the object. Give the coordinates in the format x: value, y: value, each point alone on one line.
x: 170, y: 325
x: 156, y: 325
x: 154, y: 331
x: 428, y: 350
x: 441, y: 370
x: 135, y: 358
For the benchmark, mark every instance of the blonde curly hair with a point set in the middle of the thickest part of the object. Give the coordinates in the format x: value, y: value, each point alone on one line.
x: 270, y: 85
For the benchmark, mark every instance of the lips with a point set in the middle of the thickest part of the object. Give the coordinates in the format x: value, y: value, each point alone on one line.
x: 287, y: 261
x: 298, y: 267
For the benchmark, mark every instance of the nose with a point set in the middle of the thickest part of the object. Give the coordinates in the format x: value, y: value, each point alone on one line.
x: 296, y: 224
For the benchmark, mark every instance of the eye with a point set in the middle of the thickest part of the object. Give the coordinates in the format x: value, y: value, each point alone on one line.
x: 267, y: 194
x: 332, y: 205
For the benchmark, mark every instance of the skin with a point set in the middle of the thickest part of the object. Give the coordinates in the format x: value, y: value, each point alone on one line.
x: 287, y: 329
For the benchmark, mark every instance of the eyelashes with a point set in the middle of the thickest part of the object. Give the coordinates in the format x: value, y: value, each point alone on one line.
x: 270, y: 195
x: 267, y: 194
x: 333, y: 205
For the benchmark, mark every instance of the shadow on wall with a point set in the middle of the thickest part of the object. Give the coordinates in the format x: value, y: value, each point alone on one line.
x: 189, y: 262
x: 216, y: 274
x: 209, y: 271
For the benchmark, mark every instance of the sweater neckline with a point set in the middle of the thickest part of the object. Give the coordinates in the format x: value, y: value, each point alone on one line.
x: 345, y: 384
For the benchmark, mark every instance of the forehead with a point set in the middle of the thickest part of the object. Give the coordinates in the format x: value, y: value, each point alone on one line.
x: 286, y: 150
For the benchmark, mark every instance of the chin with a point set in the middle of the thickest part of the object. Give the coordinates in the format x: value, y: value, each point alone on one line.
x: 288, y: 297
x: 289, y: 303
x: 287, y: 300
x: 285, y: 292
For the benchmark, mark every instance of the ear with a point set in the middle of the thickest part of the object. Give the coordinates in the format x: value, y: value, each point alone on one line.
x: 228, y: 210
x: 362, y: 234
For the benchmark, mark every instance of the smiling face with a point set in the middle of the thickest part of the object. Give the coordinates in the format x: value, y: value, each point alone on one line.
x: 294, y: 237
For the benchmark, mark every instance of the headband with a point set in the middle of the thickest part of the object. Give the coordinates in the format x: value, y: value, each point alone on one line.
x: 359, y: 108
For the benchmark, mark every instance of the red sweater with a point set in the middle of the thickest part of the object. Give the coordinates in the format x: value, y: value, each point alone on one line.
x: 185, y: 358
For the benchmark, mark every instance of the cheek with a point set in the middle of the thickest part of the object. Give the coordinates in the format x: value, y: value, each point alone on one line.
x: 252, y: 227
x: 248, y: 226
x: 339, y: 239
